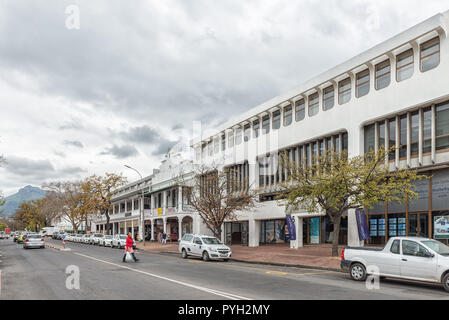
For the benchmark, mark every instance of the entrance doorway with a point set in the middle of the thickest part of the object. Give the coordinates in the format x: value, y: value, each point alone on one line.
x: 418, y: 225
x: 236, y: 233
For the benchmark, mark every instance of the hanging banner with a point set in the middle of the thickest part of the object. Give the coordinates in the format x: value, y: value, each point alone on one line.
x: 291, y: 227
x: 314, y: 230
x: 361, y: 224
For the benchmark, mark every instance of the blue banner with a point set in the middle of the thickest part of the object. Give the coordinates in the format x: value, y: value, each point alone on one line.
x: 291, y: 227
x: 361, y: 224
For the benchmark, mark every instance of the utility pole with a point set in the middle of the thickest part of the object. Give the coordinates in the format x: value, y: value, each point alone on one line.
x: 141, y: 223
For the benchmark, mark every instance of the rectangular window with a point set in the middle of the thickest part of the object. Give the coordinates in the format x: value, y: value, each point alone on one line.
x: 238, y: 136
x: 362, y: 84
x: 216, y: 146
x: 381, y: 135
x: 313, y: 104
x: 414, y: 137
x: 329, y: 144
x: 430, y: 54
x: 344, y: 141
x: 328, y: 98
x: 337, y: 144
x: 203, y: 150
x: 300, y: 110
x: 404, y: 65
x: 266, y: 125
x: 344, y: 91
x: 223, y: 142
x: 276, y: 120
x: 369, y: 138
x: 392, y: 138
x: 256, y: 128
x: 288, y: 115
x: 247, y: 132
x: 442, y: 126
x: 321, y: 150
x: 427, y: 131
x: 403, y: 137
x: 383, y: 74
x: 314, y: 152
x: 231, y: 139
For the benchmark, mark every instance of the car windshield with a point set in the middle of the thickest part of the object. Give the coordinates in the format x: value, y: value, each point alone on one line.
x: 211, y: 241
x: 438, y: 247
x: 34, y: 236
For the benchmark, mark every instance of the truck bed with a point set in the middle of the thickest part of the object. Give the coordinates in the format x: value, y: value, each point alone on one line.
x: 366, y: 248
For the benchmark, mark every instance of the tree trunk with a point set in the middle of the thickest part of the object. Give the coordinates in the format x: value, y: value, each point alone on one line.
x: 108, y: 224
x: 217, y: 232
x: 336, y: 235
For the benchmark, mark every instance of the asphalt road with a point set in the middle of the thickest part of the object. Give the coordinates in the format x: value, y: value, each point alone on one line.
x: 41, y: 274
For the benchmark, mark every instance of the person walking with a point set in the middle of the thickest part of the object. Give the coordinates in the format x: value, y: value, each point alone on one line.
x: 164, y: 238
x: 129, y: 248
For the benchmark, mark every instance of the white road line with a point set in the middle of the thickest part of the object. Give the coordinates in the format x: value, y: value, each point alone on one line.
x: 230, y: 296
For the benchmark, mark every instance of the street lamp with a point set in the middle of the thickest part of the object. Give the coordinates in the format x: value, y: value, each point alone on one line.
x: 142, y: 223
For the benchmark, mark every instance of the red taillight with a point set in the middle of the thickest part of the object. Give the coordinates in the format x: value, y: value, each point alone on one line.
x: 343, y: 254
x: 27, y: 240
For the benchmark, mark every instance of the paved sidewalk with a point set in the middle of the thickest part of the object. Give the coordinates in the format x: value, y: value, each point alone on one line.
x: 319, y: 257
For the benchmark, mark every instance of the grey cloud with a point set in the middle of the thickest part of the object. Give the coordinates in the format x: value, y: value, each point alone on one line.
x: 143, y: 134
x: 76, y: 144
x: 29, y: 167
x: 121, y: 152
x: 163, y: 147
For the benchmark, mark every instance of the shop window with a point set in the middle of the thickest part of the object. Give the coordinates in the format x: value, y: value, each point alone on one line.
x: 344, y: 91
x: 276, y: 120
x: 442, y: 127
x: 328, y: 98
x: 362, y: 84
x: 404, y: 65
x: 300, y: 110
x: 313, y: 104
x: 288, y: 116
x: 430, y: 54
x: 383, y: 74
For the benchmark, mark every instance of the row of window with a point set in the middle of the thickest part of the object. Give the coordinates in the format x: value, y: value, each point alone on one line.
x: 271, y: 171
x: 393, y: 132
x: 237, y: 177
x: 429, y: 59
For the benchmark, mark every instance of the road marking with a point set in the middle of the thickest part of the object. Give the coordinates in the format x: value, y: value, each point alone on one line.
x: 227, y: 295
x: 277, y: 272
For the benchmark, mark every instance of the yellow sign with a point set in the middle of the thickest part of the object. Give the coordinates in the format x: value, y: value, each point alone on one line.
x: 159, y: 211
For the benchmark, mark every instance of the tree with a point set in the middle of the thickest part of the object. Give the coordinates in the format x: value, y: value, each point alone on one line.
x: 217, y: 196
x: 335, y: 184
x: 101, y: 188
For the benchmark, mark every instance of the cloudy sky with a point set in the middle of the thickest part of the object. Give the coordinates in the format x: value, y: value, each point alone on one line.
x: 128, y: 83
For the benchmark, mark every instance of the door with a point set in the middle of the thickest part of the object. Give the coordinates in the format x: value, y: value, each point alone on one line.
x: 416, y: 263
x: 418, y: 225
x: 197, y: 246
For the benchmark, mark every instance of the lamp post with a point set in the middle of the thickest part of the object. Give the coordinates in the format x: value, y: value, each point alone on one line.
x: 142, y: 223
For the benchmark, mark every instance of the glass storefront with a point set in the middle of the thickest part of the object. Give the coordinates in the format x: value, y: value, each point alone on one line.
x: 273, y: 231
x: 236, y: 233
x: 416, y: 217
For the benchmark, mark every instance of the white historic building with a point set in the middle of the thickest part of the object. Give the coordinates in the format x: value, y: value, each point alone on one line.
x: 396, y: 93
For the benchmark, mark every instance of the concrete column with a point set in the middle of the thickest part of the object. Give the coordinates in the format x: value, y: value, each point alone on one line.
x: 165, y: 224
x: 421, y: 136
x: 132, y: 205
x: 376, y: 137
x: 180, y: 199
x: 397, y: 142
x: 152, y: 206
x: 152, y: 229
x: 353, y: 231
x: 126, y: 227
x: 409, y: 138
x: 164, y: 202
x: 387, y: 140
x: 253, y: 233
x: 433, y: 133
x: 113, y: 228
x: 179, y: 227
x: 298, y: 243
x: 132, y: 228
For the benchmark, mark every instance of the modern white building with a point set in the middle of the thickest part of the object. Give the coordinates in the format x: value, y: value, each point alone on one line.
x: 394, y: 94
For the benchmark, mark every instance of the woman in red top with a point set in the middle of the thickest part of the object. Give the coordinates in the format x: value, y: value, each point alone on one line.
x: 129, y: 248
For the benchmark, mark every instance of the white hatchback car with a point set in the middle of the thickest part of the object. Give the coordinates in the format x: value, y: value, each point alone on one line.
x: 106, y: 241
x: 207, y: 247
x: 119, y: 241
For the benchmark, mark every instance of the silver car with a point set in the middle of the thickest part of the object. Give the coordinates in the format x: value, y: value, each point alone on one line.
x: 34, y: 241
x: 86, y: 238
x: 106, y: 241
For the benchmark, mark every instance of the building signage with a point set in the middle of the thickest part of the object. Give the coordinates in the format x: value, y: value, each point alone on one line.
x: 315, y: 230
x: 441, y: 227
x: 159, y: 211
x: 361, y: 224
x: 291, y: 227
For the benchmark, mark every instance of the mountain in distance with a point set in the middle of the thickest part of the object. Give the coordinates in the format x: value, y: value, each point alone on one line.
x: 25, y: 194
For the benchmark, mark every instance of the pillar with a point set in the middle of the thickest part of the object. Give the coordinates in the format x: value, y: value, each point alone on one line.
x: 132, y: 228
x: 152, y: 229
x: 253, y: 233
x: 298, y: 243
x: 353, y: 230
x: 179, y: 228
x: 165, y: 224
x: 180, y: 199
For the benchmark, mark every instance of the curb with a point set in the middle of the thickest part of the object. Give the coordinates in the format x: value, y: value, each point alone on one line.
x: 301, y: 266
x: 57, y: 247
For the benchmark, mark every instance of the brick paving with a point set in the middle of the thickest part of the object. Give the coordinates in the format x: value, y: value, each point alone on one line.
x: 319, y: 256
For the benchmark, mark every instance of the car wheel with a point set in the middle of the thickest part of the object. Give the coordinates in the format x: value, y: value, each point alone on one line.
x: 184, y: 254
x: 358, y: 272
x: 206, y: 256
x: 446, y: 282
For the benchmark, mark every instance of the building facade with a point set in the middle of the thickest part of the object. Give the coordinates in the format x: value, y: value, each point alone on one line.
x: 394, y: 94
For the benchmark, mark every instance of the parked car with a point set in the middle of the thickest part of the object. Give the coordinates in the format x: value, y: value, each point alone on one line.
x: 411, y: 258
x: 106, y: 241
x: 78, y: 237
x: 96, y: 238
x: 207, y: 247
x: 119, y: 241
x: 4, y: 235
x: 55, y: 235
x: 86, y: 238
x: 34, y: 241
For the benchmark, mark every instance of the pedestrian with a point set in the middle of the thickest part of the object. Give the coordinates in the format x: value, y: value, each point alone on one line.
x: 129, y: 248
x: 164, y: 238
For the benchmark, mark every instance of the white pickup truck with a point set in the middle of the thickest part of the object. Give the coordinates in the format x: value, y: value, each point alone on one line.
x: 207, y: 247
x: 410, y: 258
